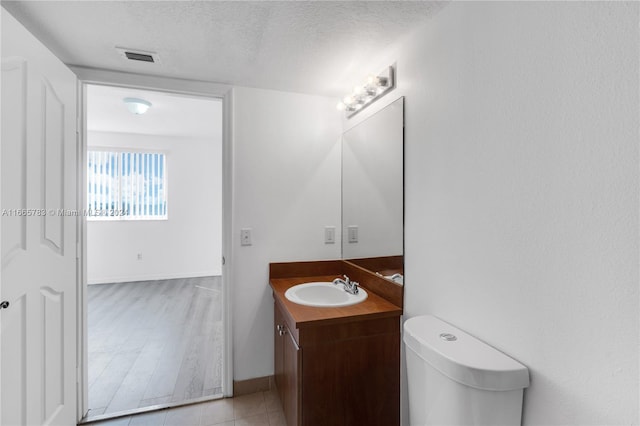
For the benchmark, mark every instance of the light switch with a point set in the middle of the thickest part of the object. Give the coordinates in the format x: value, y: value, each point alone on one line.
x: 352, y: 233
x: 245, y: 236
x: 329, y: 234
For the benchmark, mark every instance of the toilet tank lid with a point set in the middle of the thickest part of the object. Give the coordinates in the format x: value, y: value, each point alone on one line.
x: 462, y: 357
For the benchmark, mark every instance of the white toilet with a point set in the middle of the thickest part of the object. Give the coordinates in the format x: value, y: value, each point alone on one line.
x: 455, y: 379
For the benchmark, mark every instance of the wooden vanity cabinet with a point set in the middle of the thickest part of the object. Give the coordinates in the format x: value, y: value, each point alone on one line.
x: 338, y: 374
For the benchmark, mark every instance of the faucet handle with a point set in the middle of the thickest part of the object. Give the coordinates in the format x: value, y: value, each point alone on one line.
x: 346, y: 279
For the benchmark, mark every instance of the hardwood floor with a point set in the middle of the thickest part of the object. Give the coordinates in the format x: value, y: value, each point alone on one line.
x: 258, y: 409
x: 154, y: 342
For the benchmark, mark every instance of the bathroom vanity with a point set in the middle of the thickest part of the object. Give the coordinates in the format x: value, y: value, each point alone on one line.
x: 339, y: 365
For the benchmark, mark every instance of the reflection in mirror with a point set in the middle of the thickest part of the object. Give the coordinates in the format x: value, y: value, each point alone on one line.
x: 373, y: 193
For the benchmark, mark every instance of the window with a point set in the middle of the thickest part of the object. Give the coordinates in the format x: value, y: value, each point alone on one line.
x: 126, y: 185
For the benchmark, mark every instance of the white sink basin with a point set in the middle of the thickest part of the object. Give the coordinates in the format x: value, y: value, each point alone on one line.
x: 323, y: 294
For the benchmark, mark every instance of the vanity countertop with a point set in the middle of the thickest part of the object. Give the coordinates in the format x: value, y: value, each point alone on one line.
x: 372, y: 308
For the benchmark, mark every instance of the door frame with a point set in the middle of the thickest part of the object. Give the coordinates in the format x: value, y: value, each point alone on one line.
x: 90, y: 76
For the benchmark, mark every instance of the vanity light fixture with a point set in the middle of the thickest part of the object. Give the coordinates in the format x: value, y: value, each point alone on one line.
x: 364, y: 95
x: 136, y: 105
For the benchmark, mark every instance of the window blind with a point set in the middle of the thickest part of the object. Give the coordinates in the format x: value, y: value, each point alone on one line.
x: 126, y: 185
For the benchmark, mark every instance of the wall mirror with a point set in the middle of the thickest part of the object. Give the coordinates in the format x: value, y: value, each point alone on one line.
x: 373, y: 193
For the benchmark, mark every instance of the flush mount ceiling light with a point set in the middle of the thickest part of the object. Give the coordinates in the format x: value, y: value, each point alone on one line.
x: 136, y: 105
x: 364, y: 95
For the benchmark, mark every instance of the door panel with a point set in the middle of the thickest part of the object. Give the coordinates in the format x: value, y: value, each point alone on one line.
x: 14, y: 128
x: 14, y: 348
x: 53, y: 176
x: 38, y: 191
x: 53, y: 351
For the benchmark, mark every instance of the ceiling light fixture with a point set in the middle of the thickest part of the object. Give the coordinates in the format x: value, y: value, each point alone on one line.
x: 136, y: 105
x: 364, y: 95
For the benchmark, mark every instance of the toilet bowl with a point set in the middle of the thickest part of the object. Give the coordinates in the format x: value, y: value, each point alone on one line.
x: 455, y: 379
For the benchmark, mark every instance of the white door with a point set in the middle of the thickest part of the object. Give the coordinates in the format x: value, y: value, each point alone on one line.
x: 38, y: 278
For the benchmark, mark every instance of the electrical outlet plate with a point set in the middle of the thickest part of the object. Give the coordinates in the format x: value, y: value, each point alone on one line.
x: 245, y: 236
x: 352, y: 233
x: 329, y: 234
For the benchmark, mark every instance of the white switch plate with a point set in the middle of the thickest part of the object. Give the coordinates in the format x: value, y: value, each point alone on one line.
x: 352, y: 232
x: 245, y: 237
x: 329, y: 234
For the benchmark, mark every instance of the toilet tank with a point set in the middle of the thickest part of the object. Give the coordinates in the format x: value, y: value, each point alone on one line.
x: 455, y: 379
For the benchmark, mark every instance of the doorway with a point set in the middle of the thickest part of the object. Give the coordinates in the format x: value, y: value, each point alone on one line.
x: 154, y: 294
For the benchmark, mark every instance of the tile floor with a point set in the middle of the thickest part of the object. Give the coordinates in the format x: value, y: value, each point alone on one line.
x: 257, y: 409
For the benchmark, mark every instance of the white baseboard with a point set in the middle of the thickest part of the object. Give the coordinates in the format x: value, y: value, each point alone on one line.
x: 150, y: 277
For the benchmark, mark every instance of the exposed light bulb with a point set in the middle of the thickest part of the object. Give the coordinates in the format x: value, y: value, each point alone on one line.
x: 370, y: 90
x: 365, y: 94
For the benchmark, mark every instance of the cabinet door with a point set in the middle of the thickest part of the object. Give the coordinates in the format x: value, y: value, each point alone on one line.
x: 291, y: 365
x: 278, y: 344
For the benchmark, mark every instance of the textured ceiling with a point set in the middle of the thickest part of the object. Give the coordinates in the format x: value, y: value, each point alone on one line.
x: 308, y: 47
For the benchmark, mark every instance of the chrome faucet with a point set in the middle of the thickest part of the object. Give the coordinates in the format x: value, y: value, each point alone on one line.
x: 349, y: 286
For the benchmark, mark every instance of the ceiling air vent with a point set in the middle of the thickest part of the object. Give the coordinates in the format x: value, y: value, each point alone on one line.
x: 138, y: 55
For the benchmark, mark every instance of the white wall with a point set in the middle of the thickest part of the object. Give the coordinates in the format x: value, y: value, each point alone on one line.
x: 522, y: 193
x: 286, y: 189
x: 188, y: 244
